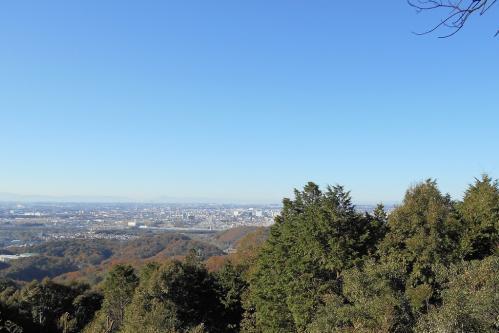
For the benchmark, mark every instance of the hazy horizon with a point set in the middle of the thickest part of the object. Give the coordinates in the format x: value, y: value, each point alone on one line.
x: 171, y: 199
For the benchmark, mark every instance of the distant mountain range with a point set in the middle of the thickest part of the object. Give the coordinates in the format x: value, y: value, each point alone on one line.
x: 12, y: 197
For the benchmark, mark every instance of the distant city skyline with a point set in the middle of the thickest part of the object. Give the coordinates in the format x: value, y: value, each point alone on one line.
x: 242, y: 101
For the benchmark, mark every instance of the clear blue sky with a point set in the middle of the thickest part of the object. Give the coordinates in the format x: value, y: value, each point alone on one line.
x: 242, y: 101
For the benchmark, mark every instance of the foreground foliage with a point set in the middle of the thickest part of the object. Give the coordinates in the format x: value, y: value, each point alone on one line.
x: 326, y: 268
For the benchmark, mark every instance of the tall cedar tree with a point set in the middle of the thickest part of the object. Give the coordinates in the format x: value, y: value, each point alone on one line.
x: 423, y: 232
x: 316, y: 237
x: 480, y: 214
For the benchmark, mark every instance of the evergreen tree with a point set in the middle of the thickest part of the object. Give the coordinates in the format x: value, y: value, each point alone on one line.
x: 480, y: 213
x: 175, y: 296
x: 231, y: 287
x: 369, y: 302
x: 45, y: 302
x: 85, y: 306
x: 118, y: 289
x: 316, y: 237
x: 149, y: 312
x: 470, y: 299
x: 423, y: 232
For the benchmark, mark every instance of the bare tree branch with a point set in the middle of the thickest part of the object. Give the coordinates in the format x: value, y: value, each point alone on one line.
x: 457, y: 13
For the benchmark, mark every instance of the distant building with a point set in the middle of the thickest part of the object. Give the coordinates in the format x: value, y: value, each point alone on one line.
x: 9, y: 257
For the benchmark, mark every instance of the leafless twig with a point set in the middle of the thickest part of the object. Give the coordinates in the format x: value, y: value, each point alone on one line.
x: 457, y: 12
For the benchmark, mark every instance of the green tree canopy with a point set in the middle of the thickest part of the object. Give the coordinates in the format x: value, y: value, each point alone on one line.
x: 175, y: 296
x: 118, y: 288
x: 316, y: 237
x: 423, y: 232
x: 369, y: 302
x: 480, y: 214
x: 470, y: 299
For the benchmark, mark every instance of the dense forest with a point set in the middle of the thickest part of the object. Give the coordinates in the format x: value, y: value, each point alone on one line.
x: 430, y: 265
x: 88, y: 259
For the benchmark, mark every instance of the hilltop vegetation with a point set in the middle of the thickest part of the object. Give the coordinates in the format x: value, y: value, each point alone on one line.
x: 229, y: 238
x: 86, y: 258
x: 83, y: 252
x: 431, y: 265
x: 166, y: 245
x: 37, y: 268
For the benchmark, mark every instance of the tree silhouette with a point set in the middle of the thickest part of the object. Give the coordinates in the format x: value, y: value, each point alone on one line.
x: 457, y: 13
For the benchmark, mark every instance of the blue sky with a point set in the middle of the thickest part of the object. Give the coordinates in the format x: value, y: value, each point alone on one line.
x: 241, y: 101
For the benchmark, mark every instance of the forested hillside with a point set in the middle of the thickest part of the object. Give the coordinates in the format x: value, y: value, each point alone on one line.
x: 430, y: 265
x: 77, y: 259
